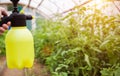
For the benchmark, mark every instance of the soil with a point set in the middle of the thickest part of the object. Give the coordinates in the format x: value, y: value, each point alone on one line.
x: 37, y: 69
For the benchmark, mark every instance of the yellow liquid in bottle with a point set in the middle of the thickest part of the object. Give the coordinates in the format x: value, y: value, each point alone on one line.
x: 19, y: 48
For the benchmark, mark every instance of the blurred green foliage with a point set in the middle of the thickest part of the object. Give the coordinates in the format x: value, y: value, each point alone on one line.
x: 2, y: 44
x: 80, y: 44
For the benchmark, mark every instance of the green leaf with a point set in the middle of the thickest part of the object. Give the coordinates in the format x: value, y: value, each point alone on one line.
x: 87, y: 59
x: 76, y: 50
x: 104, y: 43
x: 55, y: 74
x: 96, y: 49
x: 60, y: 66
x: 106, y: 72
x: 117, y: 72
x: 63, y: 74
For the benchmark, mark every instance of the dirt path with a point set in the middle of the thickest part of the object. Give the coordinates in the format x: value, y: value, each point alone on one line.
x: 37, y: 70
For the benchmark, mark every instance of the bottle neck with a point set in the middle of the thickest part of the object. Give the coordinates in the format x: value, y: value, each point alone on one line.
x: 20, y: 27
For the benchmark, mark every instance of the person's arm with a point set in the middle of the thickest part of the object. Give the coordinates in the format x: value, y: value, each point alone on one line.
x: 4, y: 27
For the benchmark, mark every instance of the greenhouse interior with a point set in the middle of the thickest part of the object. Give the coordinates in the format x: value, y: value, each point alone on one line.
x: 59, y: 38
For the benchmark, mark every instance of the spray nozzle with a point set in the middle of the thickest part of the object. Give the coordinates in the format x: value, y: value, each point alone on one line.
x: 15, y: 3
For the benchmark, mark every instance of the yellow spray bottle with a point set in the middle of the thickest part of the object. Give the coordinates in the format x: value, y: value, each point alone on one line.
x: 19, y: 41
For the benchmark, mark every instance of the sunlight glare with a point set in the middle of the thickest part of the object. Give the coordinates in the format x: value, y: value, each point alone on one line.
x: 98, y: 1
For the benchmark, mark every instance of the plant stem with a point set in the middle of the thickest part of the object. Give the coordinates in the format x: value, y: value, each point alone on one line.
x: 26, y: 72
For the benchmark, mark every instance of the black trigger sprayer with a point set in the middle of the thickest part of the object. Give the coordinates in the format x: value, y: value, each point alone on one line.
x: 15, y: 13
x: 19, y: 42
